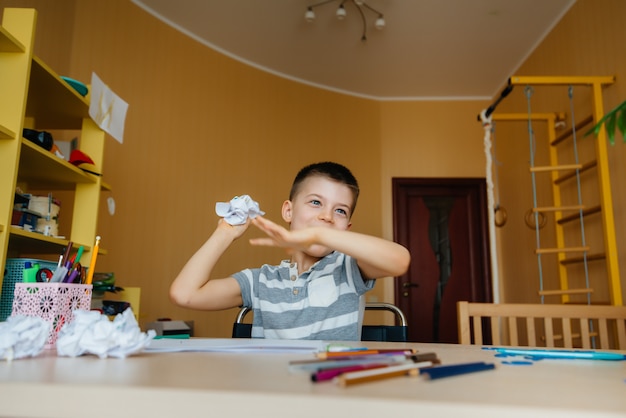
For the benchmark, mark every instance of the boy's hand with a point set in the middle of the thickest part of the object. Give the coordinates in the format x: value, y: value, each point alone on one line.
x: 281, y: 237
x: 234, y: 230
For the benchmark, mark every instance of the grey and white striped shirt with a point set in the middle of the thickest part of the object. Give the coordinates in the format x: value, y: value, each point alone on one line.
x: 322, y: 303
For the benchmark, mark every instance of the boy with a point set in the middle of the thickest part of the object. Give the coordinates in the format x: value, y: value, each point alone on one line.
x: 315, y: 294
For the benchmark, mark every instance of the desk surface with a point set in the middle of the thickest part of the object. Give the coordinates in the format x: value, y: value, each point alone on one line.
x: 260, y: 385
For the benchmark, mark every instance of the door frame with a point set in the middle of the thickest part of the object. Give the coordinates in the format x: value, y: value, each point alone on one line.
x: 402, y: 188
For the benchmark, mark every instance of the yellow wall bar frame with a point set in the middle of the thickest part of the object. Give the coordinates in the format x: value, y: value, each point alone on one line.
x: 596, y: 83
x: 550, y: 119
x: 561, y: 81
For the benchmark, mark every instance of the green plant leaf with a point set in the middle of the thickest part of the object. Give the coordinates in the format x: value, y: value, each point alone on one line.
x: 616, y: 117
x: 621, y: 123
x: 610, y: 128
x: 596, y: 128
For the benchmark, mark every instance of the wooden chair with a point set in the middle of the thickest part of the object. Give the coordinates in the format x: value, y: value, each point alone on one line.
x: 390, y: 333
x: 540, y: 325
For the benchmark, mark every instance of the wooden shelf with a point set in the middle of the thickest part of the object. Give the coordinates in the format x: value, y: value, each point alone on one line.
x: 33, y: 242
x: 52, y: 103
x: 6, y: 133
x: 8, y: 43
x: 43, y: 170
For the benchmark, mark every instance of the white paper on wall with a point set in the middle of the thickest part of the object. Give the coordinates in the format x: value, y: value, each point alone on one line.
x: 107, y: 109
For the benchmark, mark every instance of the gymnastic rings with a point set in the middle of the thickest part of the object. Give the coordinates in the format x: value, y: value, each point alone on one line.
x: 499, y: 216
x: 529, y: 219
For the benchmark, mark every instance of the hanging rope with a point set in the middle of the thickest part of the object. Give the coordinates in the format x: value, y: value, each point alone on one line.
x: 570, y: 94
x: 486, y: 122
x: 485, y: 119
x: 499, y: 212
x: 528, y: 91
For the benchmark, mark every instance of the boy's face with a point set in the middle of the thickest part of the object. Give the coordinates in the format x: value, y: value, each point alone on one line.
x: 320, y: 202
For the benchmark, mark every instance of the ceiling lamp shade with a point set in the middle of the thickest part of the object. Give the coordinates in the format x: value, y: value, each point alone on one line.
x: 380, y: 23
x: 309, y: 16
x: 341, y: 13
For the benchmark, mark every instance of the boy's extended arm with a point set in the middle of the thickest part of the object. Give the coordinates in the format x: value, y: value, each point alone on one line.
x: 192, y: 287
x: 376, y: 257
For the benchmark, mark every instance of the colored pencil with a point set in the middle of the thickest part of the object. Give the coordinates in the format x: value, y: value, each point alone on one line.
x: 439, y: 372
x: 352, y: 378
x: 92, y: 264
x: 325, y: 375
x: 392, y: 351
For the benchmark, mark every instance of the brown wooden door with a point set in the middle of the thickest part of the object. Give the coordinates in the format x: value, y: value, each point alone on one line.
x: 443, y: 223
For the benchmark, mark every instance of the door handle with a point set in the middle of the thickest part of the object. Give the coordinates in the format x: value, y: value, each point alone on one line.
x: 406, y: 286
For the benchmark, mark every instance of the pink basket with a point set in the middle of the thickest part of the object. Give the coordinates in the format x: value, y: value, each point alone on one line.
x: 54, y: 302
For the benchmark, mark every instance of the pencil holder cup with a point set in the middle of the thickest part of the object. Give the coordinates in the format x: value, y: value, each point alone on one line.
x: 12, y: 275
x: 53, y: 302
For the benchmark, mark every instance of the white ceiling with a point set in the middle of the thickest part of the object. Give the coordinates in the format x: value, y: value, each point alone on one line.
x: 429, y: 49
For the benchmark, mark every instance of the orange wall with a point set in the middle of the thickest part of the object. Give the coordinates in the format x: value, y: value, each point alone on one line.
x: 202, y: 128
x: 428, y: 139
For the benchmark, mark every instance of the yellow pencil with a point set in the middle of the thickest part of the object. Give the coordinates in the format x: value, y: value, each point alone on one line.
x: 92, y: 264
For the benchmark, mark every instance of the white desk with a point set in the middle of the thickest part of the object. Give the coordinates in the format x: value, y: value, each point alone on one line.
x: 261, y: 385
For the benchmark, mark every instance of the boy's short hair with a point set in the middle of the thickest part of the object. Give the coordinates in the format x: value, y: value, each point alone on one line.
x: 330, y: 170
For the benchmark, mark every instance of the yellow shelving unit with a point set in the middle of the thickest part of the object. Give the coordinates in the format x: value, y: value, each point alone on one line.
x: 35, y: 97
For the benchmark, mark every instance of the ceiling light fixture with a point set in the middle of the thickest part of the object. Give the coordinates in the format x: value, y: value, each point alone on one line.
x: 341, y: 13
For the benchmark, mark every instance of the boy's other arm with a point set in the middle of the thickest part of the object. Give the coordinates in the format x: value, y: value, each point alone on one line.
x: 376, y: 257
x: 193, y: 287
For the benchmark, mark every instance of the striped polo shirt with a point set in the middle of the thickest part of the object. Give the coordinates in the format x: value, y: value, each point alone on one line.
x: 323, y: 303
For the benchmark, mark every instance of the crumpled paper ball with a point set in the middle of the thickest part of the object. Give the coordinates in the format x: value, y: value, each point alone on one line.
x: 93, y: 333
x: 23, y: 336
x: 237, y: 211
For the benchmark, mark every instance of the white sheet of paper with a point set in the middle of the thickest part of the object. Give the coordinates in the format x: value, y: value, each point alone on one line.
x: 235, y: 345
x: 107, y: 109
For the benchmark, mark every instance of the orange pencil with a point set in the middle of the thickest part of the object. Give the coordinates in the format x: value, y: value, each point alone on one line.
x: 354, y: 353
x: 351, y: 378
x: 92, y: 264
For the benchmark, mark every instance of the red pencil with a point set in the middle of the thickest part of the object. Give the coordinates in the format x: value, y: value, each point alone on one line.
x: 324, y: 375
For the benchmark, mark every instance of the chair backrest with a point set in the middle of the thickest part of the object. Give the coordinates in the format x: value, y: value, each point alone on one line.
x: 391, y: 333
x: 542, y: 325
x: 240, y: 328
x: 394, y: 333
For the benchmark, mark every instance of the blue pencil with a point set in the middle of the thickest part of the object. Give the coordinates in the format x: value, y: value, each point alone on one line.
x: 561, y: 354
x: 439, y: 372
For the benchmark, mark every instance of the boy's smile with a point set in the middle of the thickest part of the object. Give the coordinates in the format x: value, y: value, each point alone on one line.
x: 320, y: 202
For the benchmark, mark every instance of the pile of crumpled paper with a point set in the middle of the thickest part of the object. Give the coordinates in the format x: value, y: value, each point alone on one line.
x: 90, y: 332
x: 23, y: 336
